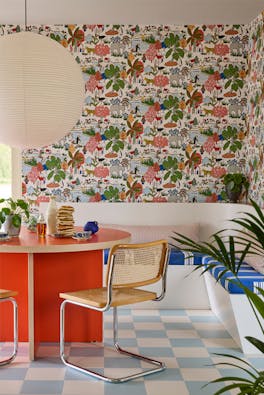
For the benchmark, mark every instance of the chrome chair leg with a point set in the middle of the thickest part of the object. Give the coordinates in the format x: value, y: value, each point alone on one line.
x: 15, y: 331
x: 160, y: 365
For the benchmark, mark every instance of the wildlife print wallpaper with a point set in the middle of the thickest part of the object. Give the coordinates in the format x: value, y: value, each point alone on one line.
x: 166, y: 115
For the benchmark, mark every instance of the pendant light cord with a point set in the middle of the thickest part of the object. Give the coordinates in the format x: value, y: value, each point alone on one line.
x: 26, y: 26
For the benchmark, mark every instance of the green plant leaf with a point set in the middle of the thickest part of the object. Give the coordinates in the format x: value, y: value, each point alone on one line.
x: 16, y: 220
x: 256, y: 342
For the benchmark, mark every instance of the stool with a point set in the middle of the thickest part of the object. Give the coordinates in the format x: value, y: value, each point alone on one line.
x: 7, y: 296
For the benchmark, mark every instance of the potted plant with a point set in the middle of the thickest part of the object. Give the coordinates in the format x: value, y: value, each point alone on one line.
x: 235, y: 183
x: 231, y: 252
x: 11, y: 215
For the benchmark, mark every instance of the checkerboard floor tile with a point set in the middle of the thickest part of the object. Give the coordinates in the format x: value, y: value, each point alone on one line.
x: 186, y: 340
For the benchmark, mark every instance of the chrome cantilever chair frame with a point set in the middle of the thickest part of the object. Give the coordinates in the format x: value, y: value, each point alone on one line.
x: 159, y: 365
x: 15, y: 332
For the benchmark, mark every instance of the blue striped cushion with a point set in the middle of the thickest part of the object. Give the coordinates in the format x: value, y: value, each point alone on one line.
x: 247, y: 275
x: 176, y: 257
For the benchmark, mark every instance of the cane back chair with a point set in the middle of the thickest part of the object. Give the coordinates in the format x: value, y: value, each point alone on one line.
x: 7, y: 296
x: 129, y: 267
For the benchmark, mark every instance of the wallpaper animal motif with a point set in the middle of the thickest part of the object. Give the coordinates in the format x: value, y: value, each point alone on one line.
x: 163, y: 120
x: 255, y: 141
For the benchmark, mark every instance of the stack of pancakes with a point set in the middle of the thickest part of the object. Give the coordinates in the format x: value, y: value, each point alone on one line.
x: 65, y: 221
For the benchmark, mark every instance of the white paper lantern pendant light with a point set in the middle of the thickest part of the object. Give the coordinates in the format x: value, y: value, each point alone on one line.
x: 41, y: 90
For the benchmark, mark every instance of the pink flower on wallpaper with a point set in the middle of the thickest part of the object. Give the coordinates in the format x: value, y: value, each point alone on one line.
x: 161, y: 81
x: 151, y: 52
x: 211, y: 199
x: 101, y: 111
x: 42, y: 199
x: 33, y: 174
x: 160, y: 141
x: 218, y: 172
x: 150, y: 115
x: 150, y: 175
x: 216, y: 75
x: 101, y: 49
x: 91, y: 27
x: 101, y: 171
x: 91, y: 144
x: 210, y: 83
x: 95, y: 198
x: 252, y: 141
x: 209, y: 144
x: 91, y: 84
x: 159, y: 199
x: 221, y: 49
x: 220, y: 111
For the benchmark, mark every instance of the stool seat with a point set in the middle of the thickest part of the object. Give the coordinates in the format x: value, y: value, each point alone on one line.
x: 5, y: 293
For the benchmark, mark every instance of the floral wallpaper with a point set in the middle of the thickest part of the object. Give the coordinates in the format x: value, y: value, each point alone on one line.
x: 255, y: 119
x: 163, y: 120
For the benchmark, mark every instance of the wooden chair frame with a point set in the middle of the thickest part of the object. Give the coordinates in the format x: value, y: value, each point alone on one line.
x: 110, y: 302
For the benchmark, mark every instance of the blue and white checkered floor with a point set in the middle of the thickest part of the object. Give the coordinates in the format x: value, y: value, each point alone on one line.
x: 185, y: 340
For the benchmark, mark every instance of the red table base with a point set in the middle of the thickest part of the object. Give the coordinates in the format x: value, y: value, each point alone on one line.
x: 53, y: 273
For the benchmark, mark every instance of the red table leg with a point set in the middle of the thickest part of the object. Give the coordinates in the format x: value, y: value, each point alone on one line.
x: 61, y: 272
x: 14, y: 276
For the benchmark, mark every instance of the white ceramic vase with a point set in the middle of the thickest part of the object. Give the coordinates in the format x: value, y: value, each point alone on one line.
x: 51, y: 216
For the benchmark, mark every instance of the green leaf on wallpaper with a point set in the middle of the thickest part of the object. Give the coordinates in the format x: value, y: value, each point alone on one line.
x: 234, y: 86
x: 55, y: 37
x: 89, y: 132
x: 228, y: 83
x: 179, y: 53
x: 108, y: 145
x: 112, y: 132
x: 89, y: 192
x: 116, y: 86
x: 62, y: 174
x: 117, y: 146
x: 111, y: 193
x: 109, y: 83
x: 53, y: 162
x: 168, y: 114
x: 89, y: 71
x: 148, y: 162
x: 168, y: 53
x: 170, y: 163
x: 121, y: 83
x: 111, y: 71
x: 31, y: 162
x: 208, y: 71
x: 238, y: 144
x: 170, y: 40
x: 240, y: 83
x: 150, y: 40
x: 177, y: 115
x: 226, y: 145
x: 50, y: 175
x: 149, y: 102
x: 176, y: 176
x: 166, y: 175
